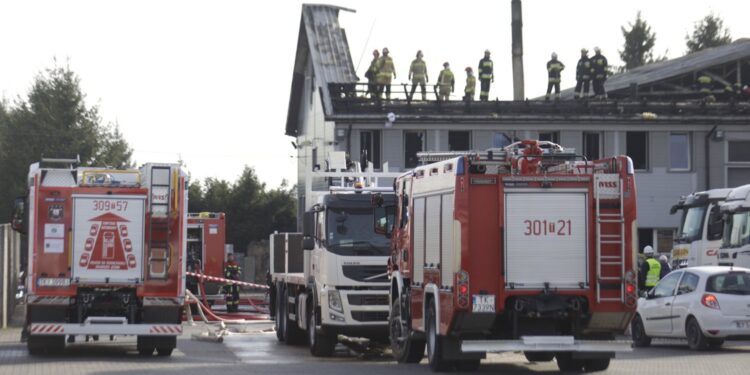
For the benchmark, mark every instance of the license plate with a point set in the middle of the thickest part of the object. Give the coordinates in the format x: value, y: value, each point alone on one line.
x: 483, y: 304
x: 742, y: 323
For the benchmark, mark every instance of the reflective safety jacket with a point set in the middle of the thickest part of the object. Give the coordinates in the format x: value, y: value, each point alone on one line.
x: 471, y: 85
x: 445, y: 79
x: 599, y: 66
x: 232, y: 270
x: 705, y: 83
x: 554, y: 67
x: 418, y: 70
x: 583, y: 70
x: 654, y: 272
x: 485, y: 69
x: 386, y: 70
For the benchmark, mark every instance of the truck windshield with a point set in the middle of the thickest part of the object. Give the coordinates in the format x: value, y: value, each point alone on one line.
x: 355, y: 231
x: 737, y: 230
x: 692, y: 224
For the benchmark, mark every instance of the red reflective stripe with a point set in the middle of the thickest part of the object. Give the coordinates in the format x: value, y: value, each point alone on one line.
x: 59, y: 329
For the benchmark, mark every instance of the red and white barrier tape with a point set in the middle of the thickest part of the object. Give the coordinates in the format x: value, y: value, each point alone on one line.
x: 227, y: 281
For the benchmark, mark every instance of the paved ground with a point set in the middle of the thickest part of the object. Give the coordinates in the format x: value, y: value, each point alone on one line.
x: 259, y: 353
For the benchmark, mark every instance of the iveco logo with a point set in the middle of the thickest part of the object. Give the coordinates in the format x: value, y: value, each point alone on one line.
x: 607, y: 184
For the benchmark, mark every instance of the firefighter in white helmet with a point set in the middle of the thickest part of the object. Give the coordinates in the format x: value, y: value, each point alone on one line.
x: 554, y: 67
x: 649, y: 271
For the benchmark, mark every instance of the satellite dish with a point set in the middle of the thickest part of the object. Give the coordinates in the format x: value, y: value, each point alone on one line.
x: 390, y: 119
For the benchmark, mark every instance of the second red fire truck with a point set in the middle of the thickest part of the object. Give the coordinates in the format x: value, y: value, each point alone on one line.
x: 527, y: 248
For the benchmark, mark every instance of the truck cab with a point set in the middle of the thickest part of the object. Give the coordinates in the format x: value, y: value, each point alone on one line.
x: 699, y: 234
x: 735, y: 245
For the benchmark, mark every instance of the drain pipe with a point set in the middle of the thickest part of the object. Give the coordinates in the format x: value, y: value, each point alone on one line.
x: 707, y: 143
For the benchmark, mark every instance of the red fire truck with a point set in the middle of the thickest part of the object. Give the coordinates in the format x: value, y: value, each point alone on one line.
x: 105, y: 254
x: 527, y: 248
x: 206, y: 254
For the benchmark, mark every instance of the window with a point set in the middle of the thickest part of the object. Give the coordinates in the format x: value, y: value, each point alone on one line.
x: 413, y: 143
x: 500, y: 140
x: 459, y: 141
x: 664, y: 240
x: 369, y: 148
x: 553, y: 137
x: 592, y: 146
x: 739, y: 156
x: 636, y: 146
x: 645, y: 237
x: 665, y: 287
x: 679, y: 151
x: 729, y: 283
x: 688, y: 284
x: 739, y: 151
x: 738, y: 176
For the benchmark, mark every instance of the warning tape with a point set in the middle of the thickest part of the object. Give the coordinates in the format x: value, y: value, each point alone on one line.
x: 227, y: 281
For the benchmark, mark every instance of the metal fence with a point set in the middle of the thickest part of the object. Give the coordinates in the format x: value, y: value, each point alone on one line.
x: 10, y: 255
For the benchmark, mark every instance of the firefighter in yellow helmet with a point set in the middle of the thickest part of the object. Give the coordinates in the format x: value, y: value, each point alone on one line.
x: 471, y: 85
x: 386, y: 71
x: 232, y: 271
x: 418, y: 76
x: 446, y: 82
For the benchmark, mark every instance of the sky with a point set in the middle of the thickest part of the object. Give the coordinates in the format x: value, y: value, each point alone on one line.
x: 208, y: 82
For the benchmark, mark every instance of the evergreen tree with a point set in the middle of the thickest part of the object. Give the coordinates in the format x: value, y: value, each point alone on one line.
x: 639, y: 43
x: 708, y: 33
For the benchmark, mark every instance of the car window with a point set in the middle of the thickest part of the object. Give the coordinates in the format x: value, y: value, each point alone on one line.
x: 688, y: 283
x: 729, y: 283
x: 666, y: 286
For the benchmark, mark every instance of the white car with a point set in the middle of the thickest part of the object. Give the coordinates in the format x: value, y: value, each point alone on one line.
x: 706, y: 305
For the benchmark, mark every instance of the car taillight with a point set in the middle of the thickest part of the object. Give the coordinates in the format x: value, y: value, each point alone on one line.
x: 710, y: 301
x: 462, y: 287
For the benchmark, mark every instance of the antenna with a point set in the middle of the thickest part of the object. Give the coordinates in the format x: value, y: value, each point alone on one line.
x: 369, y: 34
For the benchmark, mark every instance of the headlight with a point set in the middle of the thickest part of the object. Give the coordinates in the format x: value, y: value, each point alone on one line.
x: 53, y: 282
x: 334, y: 301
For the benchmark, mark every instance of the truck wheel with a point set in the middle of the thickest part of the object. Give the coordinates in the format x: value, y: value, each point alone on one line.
x: 539, y: 356
x: 596, y: 364
x: 696, y: 339
x: 145, y: 346
x: 293, y: 335
x: 435, y: 343
x: 566, y: 362
x: 280, y: 318
x: 404, y: 348
x: 638, y: 332
x: 468, y: 365
x: 321, y: 345
x: 39, y: 345
x: 164, y: 352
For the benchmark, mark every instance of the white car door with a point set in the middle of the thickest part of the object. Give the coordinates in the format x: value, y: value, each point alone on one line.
x: 686, y: 297
x: 656, y: 310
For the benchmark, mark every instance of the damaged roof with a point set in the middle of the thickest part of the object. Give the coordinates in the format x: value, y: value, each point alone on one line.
x: 323, y: 42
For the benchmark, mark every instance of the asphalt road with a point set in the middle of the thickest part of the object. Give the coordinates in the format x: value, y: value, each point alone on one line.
x: 259, y: 353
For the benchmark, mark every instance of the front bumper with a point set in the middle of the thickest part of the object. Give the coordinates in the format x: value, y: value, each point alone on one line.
x: 104, y: 326
x: 360, y: 308
x: 546, y: 344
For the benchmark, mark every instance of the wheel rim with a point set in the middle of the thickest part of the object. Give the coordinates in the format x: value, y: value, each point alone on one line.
x: 397, y: 329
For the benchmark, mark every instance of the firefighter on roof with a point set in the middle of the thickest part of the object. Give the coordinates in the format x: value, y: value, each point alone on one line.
x: 485, y: 76
x: 554, y: 67
x: 583, y: 75
x: 471, y: 85
x: 418, y: 76
x: 372, y: 73
x: 446, y: 82
x: 232, y: 291
x: 386, y: 71
x: 599, y: 66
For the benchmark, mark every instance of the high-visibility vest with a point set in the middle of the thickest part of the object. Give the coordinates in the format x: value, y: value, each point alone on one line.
x: 706, y: 83
x: 446, y: 78
x: 654, y: 271
x: 599, y: 64
x: 485, y: 68
x: 372, y: 71
x: 418, y: 70
x: 554, y: 67
x: 583, y: 70
x: 231, y: 270
x: 385, y: 69
x: 471, y: 85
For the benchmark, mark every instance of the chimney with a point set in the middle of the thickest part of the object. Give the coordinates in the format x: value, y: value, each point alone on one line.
x: 517, y: 25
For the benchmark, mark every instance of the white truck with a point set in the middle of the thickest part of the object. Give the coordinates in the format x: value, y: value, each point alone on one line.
x: 735, y: 246
x: 334, y: 281
x: 701, y: 226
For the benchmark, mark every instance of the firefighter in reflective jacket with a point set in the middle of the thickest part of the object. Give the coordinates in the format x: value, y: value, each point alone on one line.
x: 599, y: 65
x: 554, y: 67
x: 471, y: 85
x: 446, y: 82
x: 485, y: 76
x: 650, y: 270
x: 706, y: 86
x: 583, y: 75
x: 386, y: 71
x: 232, y: 291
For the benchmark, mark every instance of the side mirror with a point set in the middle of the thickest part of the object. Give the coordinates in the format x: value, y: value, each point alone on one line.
x: 308, y: 243
x: 19, y: 213
x: 308, y: 224
x: 715, y: 224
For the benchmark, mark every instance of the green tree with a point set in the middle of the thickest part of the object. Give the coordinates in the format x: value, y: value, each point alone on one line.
x: 639, y: 43
x: 53, y: 120
x: 708, y: 33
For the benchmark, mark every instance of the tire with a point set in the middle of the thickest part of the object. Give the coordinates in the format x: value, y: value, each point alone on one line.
x: 146, y: 346
x: 566, y: 362
x: 469, y: 365
x: 597, y: 364
x: 280, y: 318
x: 638, y: 333
x: 435, y: 342
x: 696, y: 339
x: 539, y: 356
x: 715, y: 343
x: 321, y: 345
x: 41, y: 345
x: 404, y: 348
x: 164, y: 352
x: 293, y: 335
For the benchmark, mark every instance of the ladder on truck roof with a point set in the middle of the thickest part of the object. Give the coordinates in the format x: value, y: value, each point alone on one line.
x: 610, y: 240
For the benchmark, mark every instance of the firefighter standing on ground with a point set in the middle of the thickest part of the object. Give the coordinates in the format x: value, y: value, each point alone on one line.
x: 372, y: 75
x: 485, y: 76
x: 554, y: 67
x: 471, y: 85
x: 386, y: 71
x: 446, y: 82
x: 583, y: 75
x: 650, y: 270
x: 232, y: 291
x: 418, y: 76
x: 599, y: 66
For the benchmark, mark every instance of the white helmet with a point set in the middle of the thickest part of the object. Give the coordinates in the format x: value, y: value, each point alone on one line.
x: 648, y: 250
x: 597, y: 49
x: 554, y: 55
